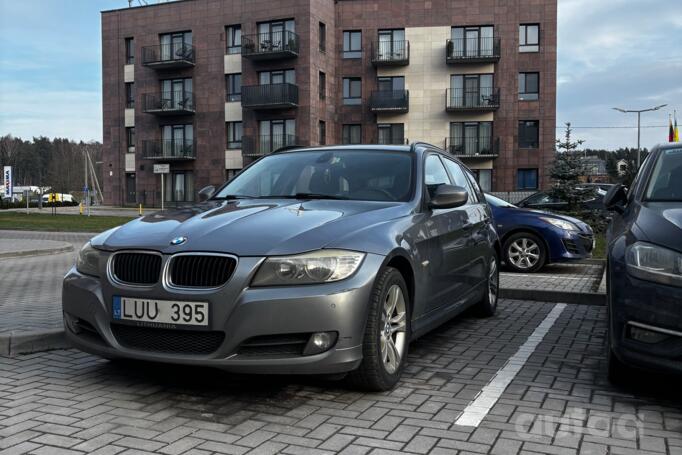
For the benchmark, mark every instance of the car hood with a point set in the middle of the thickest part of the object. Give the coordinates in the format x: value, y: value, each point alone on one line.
x: 661, y: 223
x: 250, y: 227
x: 584, y: 227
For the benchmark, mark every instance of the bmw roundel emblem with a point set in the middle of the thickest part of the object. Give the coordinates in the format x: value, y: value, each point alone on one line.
x: 178, y: 240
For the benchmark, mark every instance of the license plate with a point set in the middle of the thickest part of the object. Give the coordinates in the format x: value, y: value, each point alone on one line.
x: 160, y: 311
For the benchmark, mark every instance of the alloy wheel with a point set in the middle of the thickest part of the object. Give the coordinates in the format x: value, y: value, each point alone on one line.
x: 393, y: 329
x: 493, y: 282
x: 524, y: 253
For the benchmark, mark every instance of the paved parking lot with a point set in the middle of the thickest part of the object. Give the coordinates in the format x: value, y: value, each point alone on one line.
x: 67, y: 402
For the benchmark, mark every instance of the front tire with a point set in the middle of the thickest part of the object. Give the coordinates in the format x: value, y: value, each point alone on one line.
x: 387, y: 334
x: 524, y: 252
x: 487, y: 307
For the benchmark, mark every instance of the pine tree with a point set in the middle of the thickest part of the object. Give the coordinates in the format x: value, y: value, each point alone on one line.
x: 567, y: 170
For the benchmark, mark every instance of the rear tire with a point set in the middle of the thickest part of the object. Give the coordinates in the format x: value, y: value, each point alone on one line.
x: 524, y: 252
x: 387, y: 334
x: 487, y: 307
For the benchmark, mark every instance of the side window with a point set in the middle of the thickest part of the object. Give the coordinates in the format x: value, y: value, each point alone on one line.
x: 434, y: 173
x: 459, y: 179
x: 474, y: 185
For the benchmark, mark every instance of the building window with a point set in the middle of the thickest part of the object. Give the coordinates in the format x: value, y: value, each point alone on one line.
x: 527, y: 179
x: 351, y: 134
x: 130, y: 95
x: 469, y: 42
x: 275, y: 134
x: 471, y: 138
x: 472, y: 90
x: 484, y: 177
x: 322, y: 132
x: 130, y: 139
x: 277, y: 77
x: 352, y: 44
x: 529, y: 86
x: 176, y: 46
x: 277, y: 36
x: 352, y: 90
x: 391, y: 45
x: 529, y: 38
x: 179, y: 187
x: 177, y: 94
x: 233, y: 87
x: 323, y: 37
x: 529, y: 134
x: 322, y: 85
x: 390, y: 83
x: 234, y: 135
x: 233, y: 34
x: 391, y: 133
x: 177, y: 141
x: 130, y: 51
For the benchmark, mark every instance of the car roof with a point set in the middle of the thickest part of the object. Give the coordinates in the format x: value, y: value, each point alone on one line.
x: 414, y: 147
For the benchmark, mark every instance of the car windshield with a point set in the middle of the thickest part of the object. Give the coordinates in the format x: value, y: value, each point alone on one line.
x: 497, y: 202
x: 665, y: 184
x: 326, y: 174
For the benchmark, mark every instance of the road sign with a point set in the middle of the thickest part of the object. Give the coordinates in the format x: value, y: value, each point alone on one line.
x: 7, y: 175
x: 161, y: 168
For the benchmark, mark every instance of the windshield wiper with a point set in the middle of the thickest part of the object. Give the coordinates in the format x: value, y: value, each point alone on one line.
x: 305, y: 196
x: 231, y: 196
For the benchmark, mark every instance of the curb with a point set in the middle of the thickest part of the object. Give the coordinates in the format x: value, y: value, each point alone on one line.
x: 43, y: 252
x: 16, y: 343
x: 577, y: 298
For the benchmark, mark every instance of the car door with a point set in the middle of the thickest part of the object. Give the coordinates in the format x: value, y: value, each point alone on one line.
x: 445, y: 242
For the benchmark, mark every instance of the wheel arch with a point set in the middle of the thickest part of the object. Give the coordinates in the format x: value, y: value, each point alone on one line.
x: 528, y: 230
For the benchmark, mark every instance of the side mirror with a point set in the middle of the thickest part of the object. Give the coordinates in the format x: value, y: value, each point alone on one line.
x: 206, y: 192
x: 449, y: 197
x: 616, y: 198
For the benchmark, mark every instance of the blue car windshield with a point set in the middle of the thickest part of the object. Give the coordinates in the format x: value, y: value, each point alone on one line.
x: 665, y: 184
x: 497, y: 202
x: 326, y: 174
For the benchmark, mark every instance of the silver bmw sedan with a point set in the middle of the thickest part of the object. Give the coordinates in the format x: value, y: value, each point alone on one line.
x: 323, y: 260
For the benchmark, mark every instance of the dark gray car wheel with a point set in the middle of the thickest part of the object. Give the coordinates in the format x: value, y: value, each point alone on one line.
x: 524, y: 252
x: 488, y: 305
x: 387, y: 334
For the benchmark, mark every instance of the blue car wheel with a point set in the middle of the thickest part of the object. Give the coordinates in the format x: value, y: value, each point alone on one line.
x: 524, y: 252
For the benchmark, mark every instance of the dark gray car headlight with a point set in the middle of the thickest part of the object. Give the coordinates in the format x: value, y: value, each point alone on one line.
x: 654, y: 263
x: 87, y: 262
x: 322, y: 266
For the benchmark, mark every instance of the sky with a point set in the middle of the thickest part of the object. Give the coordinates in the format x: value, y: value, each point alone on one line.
x: 612, y: 53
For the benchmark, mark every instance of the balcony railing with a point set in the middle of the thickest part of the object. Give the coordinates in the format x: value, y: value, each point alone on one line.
x: 387, y: 53
x: 255, y: 146
x: 389, y: 101
x: 483, y: 99
x: 472, y: 50
x: 169, y: 149
x: 270, y: 96
x: 484, y: 147
x: 172, y: 55
x: 393, y: 140
x: 178, y: 102
x: 274, y: 45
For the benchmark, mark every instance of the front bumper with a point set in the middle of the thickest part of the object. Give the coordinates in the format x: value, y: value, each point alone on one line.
x: 238, y: 314
x: 638, y: 307
x: 571, y: 245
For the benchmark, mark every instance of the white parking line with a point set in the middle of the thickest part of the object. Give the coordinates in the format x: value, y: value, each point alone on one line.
x: 476, y: 411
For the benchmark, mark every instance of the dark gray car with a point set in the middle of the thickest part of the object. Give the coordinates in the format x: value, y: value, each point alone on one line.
x: 315, y: 261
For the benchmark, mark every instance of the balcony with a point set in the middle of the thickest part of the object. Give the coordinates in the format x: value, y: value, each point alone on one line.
x: 256, y: 146
x: 169, y: 103
x: 482, y: 100
x: 472, y: 50
x: 391, y: 53
x: 270, y: 96
x: 389, y: 101
x: 168, y: 56
x: 473, y: 147
x: 270, y: 46
x: 169, y: 149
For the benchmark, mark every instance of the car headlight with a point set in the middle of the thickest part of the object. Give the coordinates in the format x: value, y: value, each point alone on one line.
x: 561, y: 224
x: 323, y: 266
x: 654, y: 263
x: 87, y: 262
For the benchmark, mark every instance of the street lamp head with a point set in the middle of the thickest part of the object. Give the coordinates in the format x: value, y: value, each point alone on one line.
x: 619, y: 109
x: 659, y: 107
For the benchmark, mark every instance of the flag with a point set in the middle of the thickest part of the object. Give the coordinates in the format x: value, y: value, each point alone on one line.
x: 676, y: 133
x: 671, y: 130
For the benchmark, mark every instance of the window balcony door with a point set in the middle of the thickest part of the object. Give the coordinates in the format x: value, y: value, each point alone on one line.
x: 275, y: 134
x: 177, y: 140
x: 175, y: 45
x: 272, y: 36
x: 392, y: 45
x: 176, y: 94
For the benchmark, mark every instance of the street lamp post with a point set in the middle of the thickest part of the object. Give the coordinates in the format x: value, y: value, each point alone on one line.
x: 639, y: 127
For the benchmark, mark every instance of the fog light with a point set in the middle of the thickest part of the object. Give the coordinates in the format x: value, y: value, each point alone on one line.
x: 647, y: 336
x: 320, y: 342
x: 71, y: 323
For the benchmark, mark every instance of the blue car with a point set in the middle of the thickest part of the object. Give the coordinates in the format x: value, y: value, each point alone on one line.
x: 532, y: 238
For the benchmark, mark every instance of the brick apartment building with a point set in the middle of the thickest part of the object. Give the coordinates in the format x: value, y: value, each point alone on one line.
x: 208, y: 86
